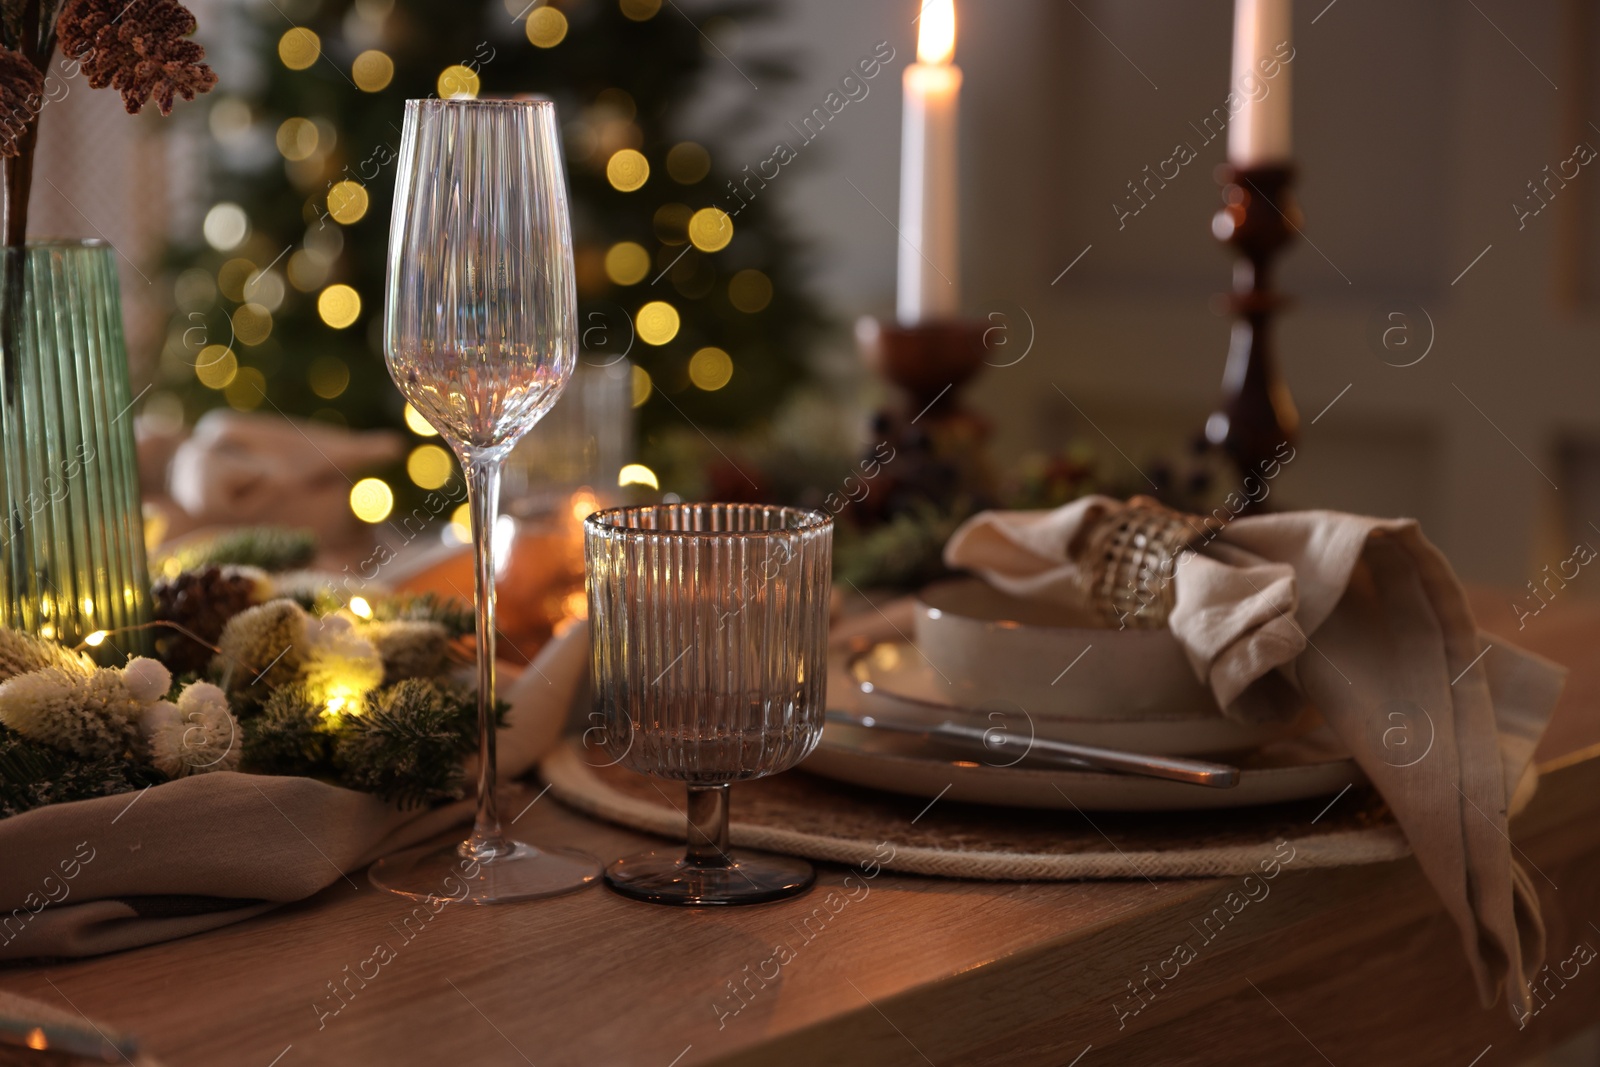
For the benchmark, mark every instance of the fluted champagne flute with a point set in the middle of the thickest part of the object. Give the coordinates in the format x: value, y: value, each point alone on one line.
x: 480, y: 333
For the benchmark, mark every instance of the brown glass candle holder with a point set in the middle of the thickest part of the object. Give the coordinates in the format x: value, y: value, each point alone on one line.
x: 1258, y: 217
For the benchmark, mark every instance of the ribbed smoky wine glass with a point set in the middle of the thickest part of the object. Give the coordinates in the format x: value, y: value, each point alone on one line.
x: 709, y: 651
x: 480, y: 333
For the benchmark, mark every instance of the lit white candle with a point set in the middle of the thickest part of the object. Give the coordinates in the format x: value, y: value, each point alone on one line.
x: 929, y: 209
x: 1258, y: 134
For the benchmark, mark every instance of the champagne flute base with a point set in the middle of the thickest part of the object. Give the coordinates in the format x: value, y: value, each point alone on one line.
x: 438, y: 873
x: 668, y: 877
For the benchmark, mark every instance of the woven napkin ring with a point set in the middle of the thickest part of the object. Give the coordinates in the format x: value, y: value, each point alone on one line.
x: 1128, y: 560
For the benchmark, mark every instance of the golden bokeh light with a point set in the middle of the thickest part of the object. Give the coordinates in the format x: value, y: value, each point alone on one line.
x: 546, y: 27
x: 710, y: 369
x: 299, y: 48
x: 457, y: 82
x: 216, y: 367
x: 710, y: 229
x: 226, y: 226
x: 361, y: 607
x: 461, y: 523
x: 329, y: 376
x: 750, y: 291
x: 307, y: 270
x: 252, y: 324
x: 232, y: 276
x: 371, y: 499
x: 372, y: 71
x: 671, y: 222
x: 627, y: 170
x: 642, y: 386
x: 627, y: 263
x: 429, y: 466
x: 297, y: 138
x: 638, y: 474
x: 247, y: 390
x: 657, y: 322
x: 640, y: 10
x: 339, y: 306
x: 688, y: 163
x: 347, y: 202
x: 417, y: 424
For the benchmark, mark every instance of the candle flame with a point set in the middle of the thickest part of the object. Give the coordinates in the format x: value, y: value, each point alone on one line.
x: 936, y: 40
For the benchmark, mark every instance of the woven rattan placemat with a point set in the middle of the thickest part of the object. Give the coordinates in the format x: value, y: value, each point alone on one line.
x: 804, y: 815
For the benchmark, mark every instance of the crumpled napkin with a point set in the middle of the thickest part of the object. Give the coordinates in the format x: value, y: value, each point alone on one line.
x: 240, y: 468
x: 1365, y: 618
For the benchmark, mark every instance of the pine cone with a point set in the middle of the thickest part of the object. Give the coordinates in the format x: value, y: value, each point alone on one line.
x: 138, y: 47
x: 201, y: 601
x: 21, y: 97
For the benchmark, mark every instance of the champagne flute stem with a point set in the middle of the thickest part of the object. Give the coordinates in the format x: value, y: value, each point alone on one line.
x: 483, y: 492
x: 708, y: 826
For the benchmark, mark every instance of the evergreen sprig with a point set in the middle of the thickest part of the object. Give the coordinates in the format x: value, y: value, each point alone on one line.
x: 33, y: 774
x: 272, y: 548
x: 452, y: 614
x: 408, y: 747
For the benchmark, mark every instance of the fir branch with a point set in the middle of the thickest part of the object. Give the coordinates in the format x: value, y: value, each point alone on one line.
x: 272, y: 548
x: 408, y: 746
x: 289, y: 736
x: 33, y: 774
x: 452, y: 614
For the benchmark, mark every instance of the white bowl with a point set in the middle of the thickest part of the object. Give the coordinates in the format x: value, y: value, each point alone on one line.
x: 1053, y: 660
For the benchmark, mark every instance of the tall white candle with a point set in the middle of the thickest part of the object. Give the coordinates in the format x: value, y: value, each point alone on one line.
x: 929, y: 276
x: 1259, y: 132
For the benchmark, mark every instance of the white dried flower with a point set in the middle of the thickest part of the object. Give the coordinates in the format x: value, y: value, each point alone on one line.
x: 411, y: 648
x: 265, y: 642
x: 203, y: 736
x: 147, y: 679
x: 91, y: 715
x: 22, y: 653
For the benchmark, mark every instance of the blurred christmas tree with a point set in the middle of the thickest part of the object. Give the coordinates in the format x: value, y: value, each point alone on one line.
x: 281, y: 307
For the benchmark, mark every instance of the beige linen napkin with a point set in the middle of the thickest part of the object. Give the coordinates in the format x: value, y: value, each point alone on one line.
x: 1366, y: 619
x: 197, y: 853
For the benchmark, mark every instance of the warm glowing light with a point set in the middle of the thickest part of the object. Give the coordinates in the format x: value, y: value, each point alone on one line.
x: 252, y: 323
x: 575, y: 605
x: 299, y: 48
x: 710, y: 369
x: 37, y: 1039
x: 638, y: 474
x: 48, y: 632
x: 584, y: 504
x: 627, y: 263
x: 688, y: 163
x: 710, y: 229
x: 96, y: 639
x: 347, y: 202
x: 547, y: 27
x: 297, y: 139
x: 216, y: 367
x: 339, y: 306
x: 936, y: 38
x: 308, y: 270
x: 329, y: 377
x: 461, y: 524
x: 417, y: 424
x: 233, y: 276
x: 627, y: 170
x: 87, y: 604
x: 247, y: 390
x: 642, y: 386
x: 372, y: 71
x: 750, y: 291
x: 458, y: 82
x: 640, y: 10
x: 359, y: 605
x: 657, y: 322
x: 226, y: 226
x: 429, y: 466
x: 371, y: 499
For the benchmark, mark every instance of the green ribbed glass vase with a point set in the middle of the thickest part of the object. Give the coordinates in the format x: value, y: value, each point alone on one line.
x: 73, y: 539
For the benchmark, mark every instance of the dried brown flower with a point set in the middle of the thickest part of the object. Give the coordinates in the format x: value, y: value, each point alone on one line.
x: 21, y: 95
x: 138, y: 47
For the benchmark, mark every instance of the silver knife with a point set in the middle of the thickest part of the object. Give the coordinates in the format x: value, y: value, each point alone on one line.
x: 990, y: 743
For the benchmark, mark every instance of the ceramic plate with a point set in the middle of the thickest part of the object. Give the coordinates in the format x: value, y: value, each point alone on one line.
x: 895, y: 680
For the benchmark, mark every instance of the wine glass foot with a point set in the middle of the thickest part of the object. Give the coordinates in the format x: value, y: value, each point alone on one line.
x: 442, y: 873
x: 666, y: 877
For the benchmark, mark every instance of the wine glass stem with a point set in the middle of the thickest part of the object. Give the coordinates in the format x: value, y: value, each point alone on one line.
x: 708, y: 826
x: 483, y: 492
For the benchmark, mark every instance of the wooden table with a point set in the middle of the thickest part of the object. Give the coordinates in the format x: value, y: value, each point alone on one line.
x: 1354, y: 966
